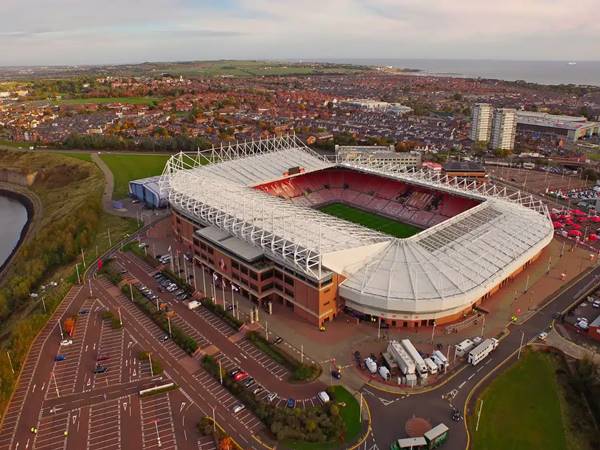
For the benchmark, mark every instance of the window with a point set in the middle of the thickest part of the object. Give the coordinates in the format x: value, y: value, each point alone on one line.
x: 210, y: 250
x: 289, y: 292
x: 235, y: 265
x: 326, y: 303
x: 266, y: 287
x: 254, y: 287
x: 289, y: 280
x: 244, y: 270
x: 278, y: 275
x: 326, y: 290
x: 253, y: 275
x: 266, y: 275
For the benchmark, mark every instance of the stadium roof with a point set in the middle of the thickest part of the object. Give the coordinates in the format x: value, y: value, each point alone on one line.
x: 464, y: 254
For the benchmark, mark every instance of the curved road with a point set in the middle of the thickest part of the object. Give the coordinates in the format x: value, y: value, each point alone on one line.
x: 390, y: 412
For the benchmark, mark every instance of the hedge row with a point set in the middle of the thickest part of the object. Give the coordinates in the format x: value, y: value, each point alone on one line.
x: 183, y: 340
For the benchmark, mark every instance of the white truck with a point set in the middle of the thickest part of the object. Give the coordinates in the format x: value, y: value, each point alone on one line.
x: 462, y: 348
x: 384, y: 372
x: 405, y: 363
x: 480, y: 352
x: 193, y: 304
x: 420, y: 365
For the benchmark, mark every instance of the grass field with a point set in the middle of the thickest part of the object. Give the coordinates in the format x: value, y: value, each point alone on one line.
x: 522, y: 408
x: 132, y: 167
x: 370, y: 220
x: 105, y: 100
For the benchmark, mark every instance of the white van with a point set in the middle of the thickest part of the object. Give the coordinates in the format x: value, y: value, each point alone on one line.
x: 237, y: 408
x: 371, y: 365
x: 384, y: 372
x: 323, y: 396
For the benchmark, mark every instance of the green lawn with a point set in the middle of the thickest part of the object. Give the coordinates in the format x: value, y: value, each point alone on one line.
x: 522, y: 408
x: 370, y: 220
x: 129, y: 167
x: 105, y: 100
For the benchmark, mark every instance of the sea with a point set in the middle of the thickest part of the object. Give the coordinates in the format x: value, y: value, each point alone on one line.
x: 541, y: 72
x: 13, y: 218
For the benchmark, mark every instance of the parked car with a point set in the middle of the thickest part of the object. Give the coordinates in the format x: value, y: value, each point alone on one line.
x: 100, y: 369
x: 240, y: 376
x: 542, y: 336
x: 157, y: 275
x: 237, y: 408
x: 272, y: 396
x: 66, y: 342
x: 257, y: 390
x: 165, y: 338
x: 291, y: 403
x: 83, y: 312
x: 248, y: 382
x: 323, y: 396
x: 233, y: 372
x: 278, y: 340
x: 59, y: 358
x: 336, y: 374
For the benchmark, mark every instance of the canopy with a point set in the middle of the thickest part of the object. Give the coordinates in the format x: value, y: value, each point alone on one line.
x: 557, y: 224
x: 593, y: 237
x: 575, y: 233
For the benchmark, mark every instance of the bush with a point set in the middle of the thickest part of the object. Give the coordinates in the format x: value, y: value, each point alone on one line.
x: 183, y: 340
x: 315, y: 424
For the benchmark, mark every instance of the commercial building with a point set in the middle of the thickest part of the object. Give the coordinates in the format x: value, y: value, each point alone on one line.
x: 481, y: 123
x: 380, y: 153
x: 147, y: 190
x: 250, y: 218
x: 504, y: 129
x: 570, y: 127
x: 375, y: 105
x: 464, y: 169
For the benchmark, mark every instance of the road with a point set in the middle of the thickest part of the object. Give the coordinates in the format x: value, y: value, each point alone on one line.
x: 390, y: 412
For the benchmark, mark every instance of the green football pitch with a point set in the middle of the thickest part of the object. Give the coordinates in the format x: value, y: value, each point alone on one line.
x: 370, y: 220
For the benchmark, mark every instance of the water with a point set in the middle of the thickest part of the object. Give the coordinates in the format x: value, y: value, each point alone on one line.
x: 543, y: 72
x: 13, y: 218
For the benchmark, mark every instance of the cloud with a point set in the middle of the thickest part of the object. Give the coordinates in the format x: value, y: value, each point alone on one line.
x: 89, y: 31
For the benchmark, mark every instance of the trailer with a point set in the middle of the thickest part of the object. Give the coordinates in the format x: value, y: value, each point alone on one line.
x: 371, y: 365
x: 414, y: 443
x: 416, y: 357
x: 405, y: 363
x: 442, y: 359
x: 462, y: 348
x: 482, y: 351
x: 431, y: 366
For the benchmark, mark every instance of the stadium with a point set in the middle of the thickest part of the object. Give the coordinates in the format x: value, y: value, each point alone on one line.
x: 283, y: 224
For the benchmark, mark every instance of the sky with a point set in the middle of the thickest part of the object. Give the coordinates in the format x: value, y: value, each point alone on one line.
x: 45, y: 32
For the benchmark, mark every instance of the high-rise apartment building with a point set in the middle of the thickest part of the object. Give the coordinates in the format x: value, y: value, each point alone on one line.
x: 481, y: 125
x: 504, y: 128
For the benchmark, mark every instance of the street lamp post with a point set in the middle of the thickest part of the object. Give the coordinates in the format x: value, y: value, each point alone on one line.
x: 12, y: 369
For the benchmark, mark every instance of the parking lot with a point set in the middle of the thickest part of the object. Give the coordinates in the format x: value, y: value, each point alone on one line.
x: 215, y: 321
x: 222, y: 396
x: 109, y: 355
x: 273, y: 367
x: 207, y: 443
x: 104, y: 427
x: 141, y: 318
x: 585, y: 312
x: 52, y: 431
x: 157, y: 422
x: 64, y: 373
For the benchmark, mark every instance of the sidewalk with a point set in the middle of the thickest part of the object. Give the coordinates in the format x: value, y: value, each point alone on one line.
x: 556, y: 339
